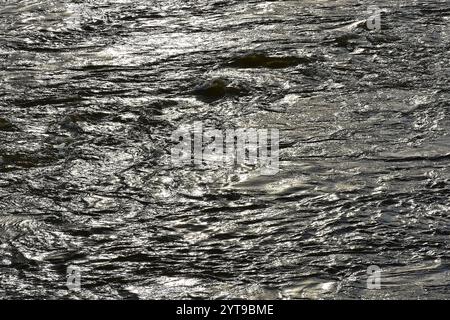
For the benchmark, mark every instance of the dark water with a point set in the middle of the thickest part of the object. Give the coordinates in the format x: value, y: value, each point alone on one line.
x: 91, y: 92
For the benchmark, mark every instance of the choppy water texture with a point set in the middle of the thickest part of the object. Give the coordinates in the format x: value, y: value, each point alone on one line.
x: 91, y: 91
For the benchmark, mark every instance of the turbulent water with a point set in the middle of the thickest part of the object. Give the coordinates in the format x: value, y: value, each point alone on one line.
x: 92, y: 91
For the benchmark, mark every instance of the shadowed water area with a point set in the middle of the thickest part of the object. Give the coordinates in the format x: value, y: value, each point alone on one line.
x: 92, y: 91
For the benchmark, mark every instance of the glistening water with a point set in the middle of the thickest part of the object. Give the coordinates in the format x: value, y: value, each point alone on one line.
x: 92, y: 90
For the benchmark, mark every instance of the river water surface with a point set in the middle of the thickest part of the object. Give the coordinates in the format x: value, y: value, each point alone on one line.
x: 91, y: 92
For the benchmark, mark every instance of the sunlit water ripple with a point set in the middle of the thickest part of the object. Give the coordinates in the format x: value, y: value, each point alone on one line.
x: 91, y: 92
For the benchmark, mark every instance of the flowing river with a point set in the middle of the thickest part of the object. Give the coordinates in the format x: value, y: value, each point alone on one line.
x: 91, y: 92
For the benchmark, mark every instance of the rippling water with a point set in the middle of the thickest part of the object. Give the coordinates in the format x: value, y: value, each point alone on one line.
x: 91, y: 92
